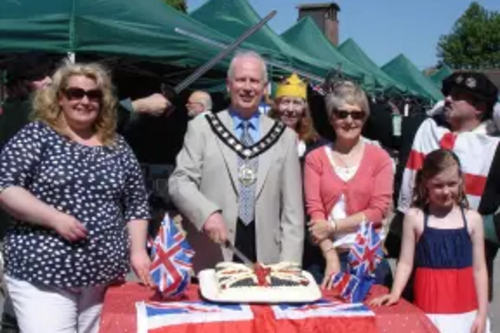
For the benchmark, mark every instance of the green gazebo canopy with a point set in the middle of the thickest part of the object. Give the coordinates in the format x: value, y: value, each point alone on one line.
x: 402, y: 70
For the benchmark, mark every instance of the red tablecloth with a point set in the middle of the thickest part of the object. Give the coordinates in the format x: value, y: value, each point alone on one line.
x: 119, y: 312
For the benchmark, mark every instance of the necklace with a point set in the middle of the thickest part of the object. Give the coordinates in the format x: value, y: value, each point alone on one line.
x: 353, y: 151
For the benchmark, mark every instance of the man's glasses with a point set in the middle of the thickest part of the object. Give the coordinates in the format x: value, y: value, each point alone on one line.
x: 73, y: 94
x: 355, y: 115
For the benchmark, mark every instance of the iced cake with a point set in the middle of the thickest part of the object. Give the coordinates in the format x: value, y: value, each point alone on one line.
x: 231, y: 275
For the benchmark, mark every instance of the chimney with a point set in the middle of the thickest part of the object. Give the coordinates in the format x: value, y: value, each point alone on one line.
x: 325, y: 16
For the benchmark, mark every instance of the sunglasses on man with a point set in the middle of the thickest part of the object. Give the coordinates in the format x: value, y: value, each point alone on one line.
x: 355, y: 115
x: 74, y: 94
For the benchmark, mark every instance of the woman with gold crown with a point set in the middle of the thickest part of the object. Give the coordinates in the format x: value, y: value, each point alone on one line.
x: 291, y: 107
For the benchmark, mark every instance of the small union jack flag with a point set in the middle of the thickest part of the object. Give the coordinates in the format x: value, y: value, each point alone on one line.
x: 366, y: 253
x: 318, y: 88
x: 171, y: 266
x: 351, y: 288
x: 364, y: 257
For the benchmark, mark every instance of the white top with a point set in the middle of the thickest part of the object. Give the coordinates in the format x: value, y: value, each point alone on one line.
x: 339, y: 209
x: 301, y: 148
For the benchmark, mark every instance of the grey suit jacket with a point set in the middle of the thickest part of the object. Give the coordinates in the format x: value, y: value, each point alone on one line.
x: 206, y: 180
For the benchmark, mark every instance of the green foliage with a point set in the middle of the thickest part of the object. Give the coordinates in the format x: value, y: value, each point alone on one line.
x: 474, y: 42
x: 180, y: 5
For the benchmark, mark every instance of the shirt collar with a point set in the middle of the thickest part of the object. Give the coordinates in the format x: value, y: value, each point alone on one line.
x: 237, y: 119
x: 203, y: 113
x: 481, y: 128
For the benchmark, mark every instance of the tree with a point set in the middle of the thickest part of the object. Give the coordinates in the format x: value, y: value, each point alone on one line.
x: 180, y: 5
x: 474, y: 42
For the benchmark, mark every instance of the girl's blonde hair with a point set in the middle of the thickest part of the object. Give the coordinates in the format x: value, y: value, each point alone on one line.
x: 435, y: 163
x: 46, y: 106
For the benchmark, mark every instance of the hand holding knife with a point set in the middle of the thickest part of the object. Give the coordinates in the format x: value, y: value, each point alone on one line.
x: 238, y: 253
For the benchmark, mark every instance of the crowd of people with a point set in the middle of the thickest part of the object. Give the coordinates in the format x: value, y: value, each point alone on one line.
x: 77, y: 207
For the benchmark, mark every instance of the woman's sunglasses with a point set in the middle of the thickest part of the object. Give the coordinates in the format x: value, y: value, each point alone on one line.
x: 355, y: 115
x: 73, y: 94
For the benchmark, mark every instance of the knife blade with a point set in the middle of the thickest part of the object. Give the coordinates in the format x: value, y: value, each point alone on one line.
x: 238, y: 253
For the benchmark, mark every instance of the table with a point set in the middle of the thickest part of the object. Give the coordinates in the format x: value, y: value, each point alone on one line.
x: 119, y: 313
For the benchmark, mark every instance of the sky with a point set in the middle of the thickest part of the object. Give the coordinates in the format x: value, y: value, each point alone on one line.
x: 382, y: 28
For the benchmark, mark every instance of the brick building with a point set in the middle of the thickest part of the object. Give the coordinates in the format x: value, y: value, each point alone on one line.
x: 326, y: 17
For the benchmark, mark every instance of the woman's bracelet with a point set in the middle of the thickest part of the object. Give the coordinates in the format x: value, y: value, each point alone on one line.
x: 332, y: 248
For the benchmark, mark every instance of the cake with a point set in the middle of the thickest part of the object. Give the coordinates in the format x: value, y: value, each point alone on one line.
x: 284, y: 275
x: 269, y: 284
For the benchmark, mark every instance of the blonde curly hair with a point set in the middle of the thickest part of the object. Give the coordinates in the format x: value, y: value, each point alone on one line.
x: 46, y: 106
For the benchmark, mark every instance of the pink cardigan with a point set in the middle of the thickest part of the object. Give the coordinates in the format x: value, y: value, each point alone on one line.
x: 369, y: 191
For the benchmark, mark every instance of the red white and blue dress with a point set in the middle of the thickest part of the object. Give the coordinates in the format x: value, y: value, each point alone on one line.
x: 444, y: 280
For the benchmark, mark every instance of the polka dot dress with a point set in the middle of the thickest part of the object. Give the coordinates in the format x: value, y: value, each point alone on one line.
x: 102, y: 187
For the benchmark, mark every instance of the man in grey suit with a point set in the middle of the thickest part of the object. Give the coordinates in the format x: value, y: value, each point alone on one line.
x: 238, y: 177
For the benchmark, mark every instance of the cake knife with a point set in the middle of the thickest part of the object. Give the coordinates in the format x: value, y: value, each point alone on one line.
x: 238, y: 253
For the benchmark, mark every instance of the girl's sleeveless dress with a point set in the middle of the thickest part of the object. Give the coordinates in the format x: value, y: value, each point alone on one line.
x: 444, y: 281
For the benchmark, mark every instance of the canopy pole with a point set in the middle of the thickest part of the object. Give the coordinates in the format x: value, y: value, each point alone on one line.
x: 2, y: 86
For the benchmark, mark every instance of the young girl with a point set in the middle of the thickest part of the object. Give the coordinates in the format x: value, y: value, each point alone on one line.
x: 445, y: 241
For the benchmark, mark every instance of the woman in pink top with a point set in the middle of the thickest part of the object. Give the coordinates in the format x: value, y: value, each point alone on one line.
x: 345, y: 183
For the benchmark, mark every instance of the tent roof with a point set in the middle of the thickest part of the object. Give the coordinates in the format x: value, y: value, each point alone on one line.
x: 235, y: 17
x: 351, y: 50
x: 402, y: 70
x: 145, y: 30
x: 305, y: 35
x: 440, y: 75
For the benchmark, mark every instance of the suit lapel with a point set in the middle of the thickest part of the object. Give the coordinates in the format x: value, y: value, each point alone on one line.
x: 230, y: 157
x: 266, y: 158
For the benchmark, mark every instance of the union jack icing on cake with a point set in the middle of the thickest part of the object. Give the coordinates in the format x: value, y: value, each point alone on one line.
x: 231, y: 276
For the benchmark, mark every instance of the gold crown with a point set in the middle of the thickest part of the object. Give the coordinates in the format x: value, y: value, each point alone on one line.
x: 292, y: 86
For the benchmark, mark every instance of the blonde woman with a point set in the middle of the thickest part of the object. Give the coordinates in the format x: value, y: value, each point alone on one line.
x: 346, y: 182
x: 74, y: 187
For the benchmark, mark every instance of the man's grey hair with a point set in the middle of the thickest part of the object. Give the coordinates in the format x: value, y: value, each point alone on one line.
x: 247, y: 54
x: 346, y: 93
